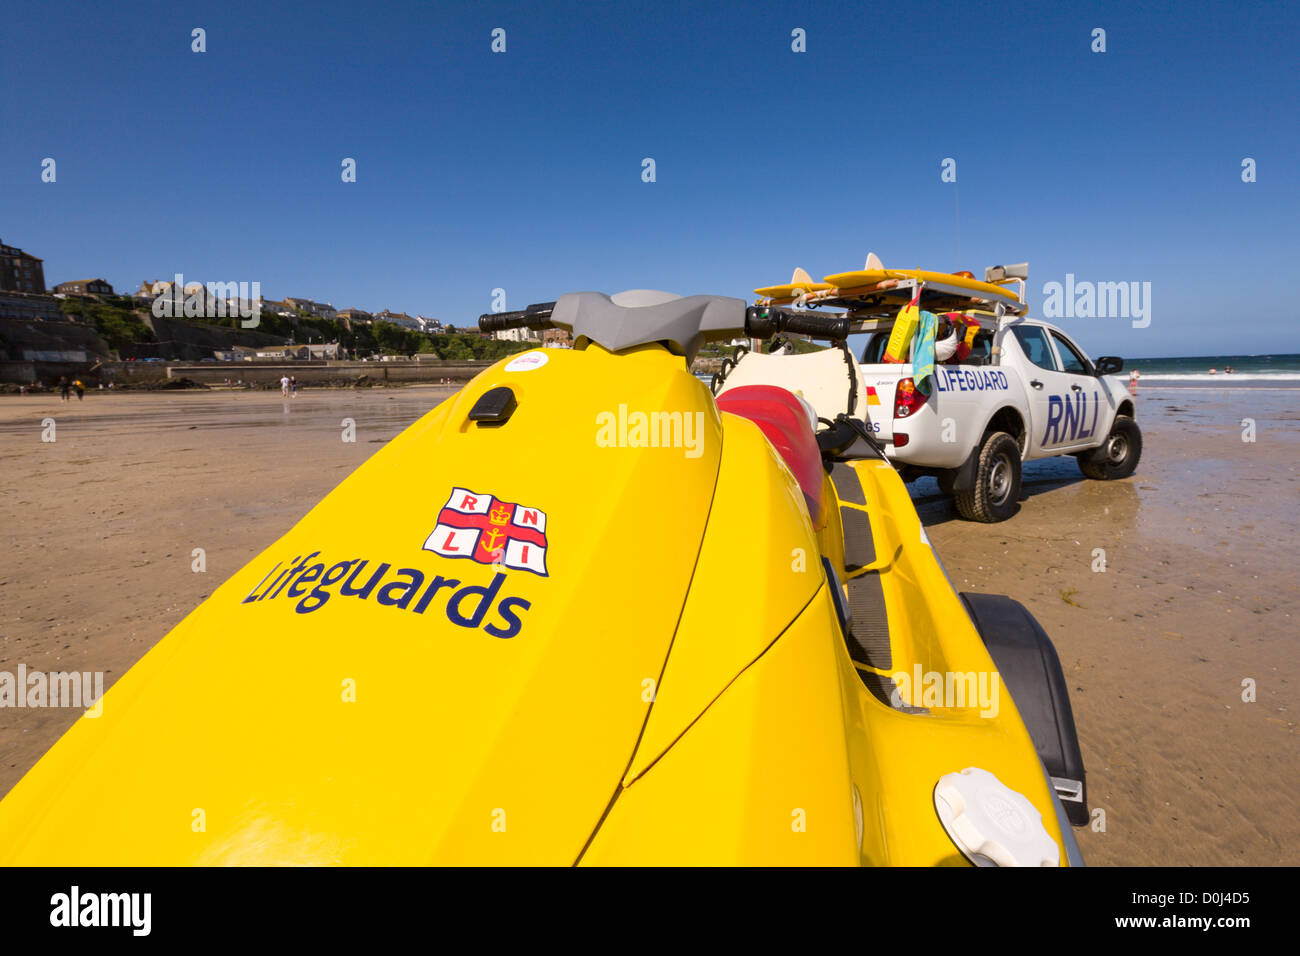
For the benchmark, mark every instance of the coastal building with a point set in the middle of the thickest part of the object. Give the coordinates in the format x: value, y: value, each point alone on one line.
x: 317, y: 310
x: 19, y: 271
x: 28, y: 305
x: 278, y: 307
x: 557, y: 339
x: 432, y: 326
x: 399, y: 319
x: 84, y: 287
x: 351, y: 317
x: 150, y: 289
x: 329, y: 350
x: 245, y: 307
x: 516, y: 335
x: 170, y: 300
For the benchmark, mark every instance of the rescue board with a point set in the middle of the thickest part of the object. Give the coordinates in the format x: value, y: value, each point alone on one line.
x: 866, y: 278
x: 800, y: 283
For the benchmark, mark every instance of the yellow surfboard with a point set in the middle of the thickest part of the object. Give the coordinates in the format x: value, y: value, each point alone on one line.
x: 800, y: 283
x: 870, y: 277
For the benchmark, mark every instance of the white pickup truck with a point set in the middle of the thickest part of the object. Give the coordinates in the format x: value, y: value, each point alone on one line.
x: 1025, y: 391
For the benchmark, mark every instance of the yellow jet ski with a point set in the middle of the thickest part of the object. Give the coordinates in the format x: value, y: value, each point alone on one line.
x: 615, y: 621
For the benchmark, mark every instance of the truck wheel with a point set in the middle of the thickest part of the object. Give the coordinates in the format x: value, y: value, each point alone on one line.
x: 995, y: 493
x: 1119, y: 453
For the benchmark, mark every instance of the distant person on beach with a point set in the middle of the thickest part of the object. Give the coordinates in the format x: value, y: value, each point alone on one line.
x: 64, y: 389
x: 293, y: 385
x: 284, y: 385
x: 81, y: 389
x: 1227, y: 370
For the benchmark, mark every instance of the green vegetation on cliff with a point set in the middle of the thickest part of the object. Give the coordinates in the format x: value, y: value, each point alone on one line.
x: 382, y: 337
x: 114, y: 320
x: 119, y: 321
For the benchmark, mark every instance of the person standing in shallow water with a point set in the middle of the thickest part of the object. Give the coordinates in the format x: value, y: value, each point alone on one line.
x: 293, y: 386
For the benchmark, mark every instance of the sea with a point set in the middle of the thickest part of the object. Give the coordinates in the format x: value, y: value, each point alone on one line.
x: 1248, y: 371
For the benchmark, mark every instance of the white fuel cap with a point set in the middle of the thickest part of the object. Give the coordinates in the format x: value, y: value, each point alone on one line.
x: 987, y: 819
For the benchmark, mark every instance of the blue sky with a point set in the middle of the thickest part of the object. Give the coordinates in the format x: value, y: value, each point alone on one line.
x: 522, y: 170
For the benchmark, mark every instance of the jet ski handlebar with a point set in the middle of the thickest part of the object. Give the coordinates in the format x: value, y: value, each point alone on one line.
x: 763, y: 322
x: 536, y: 316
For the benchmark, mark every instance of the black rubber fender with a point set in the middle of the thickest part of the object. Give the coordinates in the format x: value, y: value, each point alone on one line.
x: 963, y: 476
x: 1031, y: 672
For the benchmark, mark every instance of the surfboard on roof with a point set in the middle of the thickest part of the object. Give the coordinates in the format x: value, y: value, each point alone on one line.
x: 874, y: 281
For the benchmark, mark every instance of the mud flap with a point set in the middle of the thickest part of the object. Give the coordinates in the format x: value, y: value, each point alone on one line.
x: 963, y: 476
x: 1032, y: 673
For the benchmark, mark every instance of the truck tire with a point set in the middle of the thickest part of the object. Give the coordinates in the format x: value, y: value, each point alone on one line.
x: 1118, y: 455
x: 995, y: 493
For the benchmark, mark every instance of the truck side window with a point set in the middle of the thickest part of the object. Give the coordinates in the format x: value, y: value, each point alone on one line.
x: 1070, y: 357
x: 1033, y: 340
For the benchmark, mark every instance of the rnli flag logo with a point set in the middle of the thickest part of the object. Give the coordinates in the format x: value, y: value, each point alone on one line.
x: 872, y: 397
x: 488, y: 530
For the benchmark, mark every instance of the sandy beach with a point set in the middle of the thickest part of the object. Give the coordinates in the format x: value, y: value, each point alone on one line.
x: 1198, y: 592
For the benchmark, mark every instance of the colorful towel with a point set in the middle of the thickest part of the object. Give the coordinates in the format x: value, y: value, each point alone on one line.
x: 923, y: 352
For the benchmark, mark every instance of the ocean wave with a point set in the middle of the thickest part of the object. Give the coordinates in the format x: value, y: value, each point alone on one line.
x: 1225, y: 377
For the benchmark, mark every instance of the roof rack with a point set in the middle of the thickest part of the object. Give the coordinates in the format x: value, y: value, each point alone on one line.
x: 871, y: 309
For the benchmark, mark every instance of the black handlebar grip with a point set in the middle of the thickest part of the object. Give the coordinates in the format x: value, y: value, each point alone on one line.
x: 819, y: 326
x: 499, y: 321
x: 763, y: 322
x: 536, y: 316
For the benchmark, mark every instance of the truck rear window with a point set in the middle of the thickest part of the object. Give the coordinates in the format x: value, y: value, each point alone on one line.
x: 981, y: 349
x: 875, y: 348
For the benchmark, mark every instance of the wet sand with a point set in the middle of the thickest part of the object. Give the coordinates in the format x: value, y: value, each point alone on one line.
x: 1198, y: 593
